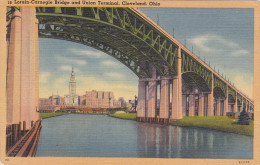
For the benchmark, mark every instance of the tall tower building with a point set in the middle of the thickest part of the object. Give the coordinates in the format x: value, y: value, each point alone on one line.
x: 72, y: 87
x: 72, y: 97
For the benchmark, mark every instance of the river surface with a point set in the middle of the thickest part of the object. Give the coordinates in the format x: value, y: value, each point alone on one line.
x: 77, y: 135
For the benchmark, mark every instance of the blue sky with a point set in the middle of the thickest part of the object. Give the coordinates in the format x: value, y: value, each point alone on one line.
x: 222, y: 36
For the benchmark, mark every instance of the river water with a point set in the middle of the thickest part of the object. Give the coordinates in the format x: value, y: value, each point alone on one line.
x: 77, y: 135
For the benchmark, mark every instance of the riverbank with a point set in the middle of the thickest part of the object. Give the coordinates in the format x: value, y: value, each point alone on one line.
x: 221, y: 123
x: 51, y: 114
x: 128, y: 116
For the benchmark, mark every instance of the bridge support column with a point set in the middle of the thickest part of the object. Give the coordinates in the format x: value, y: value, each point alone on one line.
x: 141, y: 99
x: 152, y: 90
x: 211, y: 98
x: 201, y: 105
x: 29, y: 65
x: 165, y: 98
x: 235, y: 105
x: 13, y: 70
x: 191, y: 105
x: 177, y: 91
x: 36, y: 82
x: 242, y: 105
x: 218, y: 102
x: 226, y: 103
x: 230, y: 108
x: 247, y: 107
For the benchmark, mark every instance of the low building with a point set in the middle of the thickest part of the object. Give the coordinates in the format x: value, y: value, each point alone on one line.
x: 117, y: 104
x: 99, y: 99
x: 45, y: 101
x: 71, y: 100
x: 49, y: 108
x: 82, y: 100
x: 52, y: 100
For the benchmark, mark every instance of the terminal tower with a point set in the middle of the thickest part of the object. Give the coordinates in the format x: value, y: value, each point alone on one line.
x: 72, y: 97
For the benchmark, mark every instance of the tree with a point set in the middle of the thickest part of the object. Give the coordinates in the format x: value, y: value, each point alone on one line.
x: 243, y: 118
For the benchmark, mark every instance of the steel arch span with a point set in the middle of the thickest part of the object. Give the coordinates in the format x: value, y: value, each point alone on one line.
x: 120, y: 32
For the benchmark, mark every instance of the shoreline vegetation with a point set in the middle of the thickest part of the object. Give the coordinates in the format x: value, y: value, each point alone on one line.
x: 45, y: 115
x: 220, y: 123
x: 127, y: 116
x: 51, y: 114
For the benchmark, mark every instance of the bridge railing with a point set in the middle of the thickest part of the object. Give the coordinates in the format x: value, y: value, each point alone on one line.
x: 27, y: 144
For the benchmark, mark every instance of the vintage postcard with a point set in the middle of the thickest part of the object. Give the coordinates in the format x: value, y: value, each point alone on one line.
x: 129, y: 82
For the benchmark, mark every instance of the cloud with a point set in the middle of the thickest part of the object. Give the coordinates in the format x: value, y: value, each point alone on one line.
x: 71, y: 60
x: 68, y: 68
x: 114, y: 75
x: 200, y: 42
x: 83, y: 52
x: 240, y: 52
x: 212, y: 43
x: 44, y: 77
x: 243, y: 84
x: 109, y: 63
x: 242, y: 80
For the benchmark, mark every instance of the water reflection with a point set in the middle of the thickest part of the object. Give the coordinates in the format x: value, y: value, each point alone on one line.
x: 103, y: 136
x: 180, y: 142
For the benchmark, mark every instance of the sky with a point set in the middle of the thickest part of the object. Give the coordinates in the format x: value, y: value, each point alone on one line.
x: 223, y: 37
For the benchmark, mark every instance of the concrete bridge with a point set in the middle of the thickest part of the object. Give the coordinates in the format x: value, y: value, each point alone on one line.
x: 173, y: 82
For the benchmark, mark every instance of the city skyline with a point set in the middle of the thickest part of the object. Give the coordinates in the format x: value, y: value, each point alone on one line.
x: 222, y: 36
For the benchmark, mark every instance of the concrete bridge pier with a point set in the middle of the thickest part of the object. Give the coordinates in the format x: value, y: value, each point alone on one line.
x: 177, y: 92
x: 23, y: 68
x: 201, y: 104
x: 152, y: 97
x: 13, y: 70
x: 218, y: 102
x: 211, y: 98
x: 242, y: 105
x: 226, y: 103
x: 29, y: 62
x: 22, y: 76
x: 141, y: 106
x: 235, y: 104
x: 164, y: 100
x: 191, y: 105
x: 152, y: 94
x: 230, y: 107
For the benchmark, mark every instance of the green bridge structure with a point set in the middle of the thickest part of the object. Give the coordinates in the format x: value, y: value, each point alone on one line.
x: 173, y: 81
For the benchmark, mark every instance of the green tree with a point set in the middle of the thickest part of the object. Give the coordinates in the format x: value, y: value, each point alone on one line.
x: 243, y: 118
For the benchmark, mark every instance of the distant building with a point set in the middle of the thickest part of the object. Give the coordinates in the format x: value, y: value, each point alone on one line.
x: 72, y: 97
x: 52, y: 100
x: 122, y: 101
x: 45, y: 101
x: 117, y: 103
x: 82, y: 100
x: 97, y: 99
x: 49, y: 108
x: 56, y: 100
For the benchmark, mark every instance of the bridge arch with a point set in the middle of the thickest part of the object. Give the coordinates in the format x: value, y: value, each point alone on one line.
x: 119, y: 32
x: 194, y: 83
x: 218, y: 93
